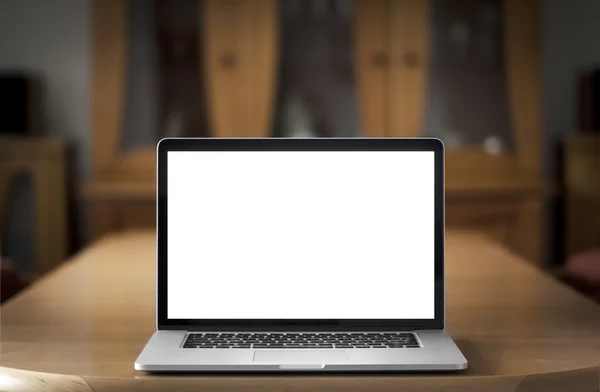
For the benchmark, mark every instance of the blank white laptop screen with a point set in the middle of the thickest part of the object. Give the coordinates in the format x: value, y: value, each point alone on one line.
x: 300, y: 235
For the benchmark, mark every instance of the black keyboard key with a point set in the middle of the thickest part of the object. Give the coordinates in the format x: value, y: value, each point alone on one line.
x: 301, y: 340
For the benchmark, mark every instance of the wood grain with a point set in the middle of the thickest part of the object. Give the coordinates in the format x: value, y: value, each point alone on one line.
x: 257, y: 35
x: 519, y: 329
x: 221, y: 65
x: 409, y: 48
x: 523, y: 65
x: 109, y: 56
x: 14, y: 380
x: 372, y: 66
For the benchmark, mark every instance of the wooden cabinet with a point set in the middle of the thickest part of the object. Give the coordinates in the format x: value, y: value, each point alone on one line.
x: 466, y: 71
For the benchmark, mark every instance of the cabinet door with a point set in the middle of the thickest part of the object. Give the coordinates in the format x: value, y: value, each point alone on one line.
x: 372, y: 66
x: 408, y: 40
x: 241, y: 44
x: 148, y: 82
x: 467, y: 72
x: 331, y: 69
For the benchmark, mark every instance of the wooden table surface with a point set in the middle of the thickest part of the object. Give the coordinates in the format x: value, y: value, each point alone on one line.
x: 81, y: 328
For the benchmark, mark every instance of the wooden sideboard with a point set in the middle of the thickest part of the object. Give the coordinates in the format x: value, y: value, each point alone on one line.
x: 369, y: 68
x: 116, y: 207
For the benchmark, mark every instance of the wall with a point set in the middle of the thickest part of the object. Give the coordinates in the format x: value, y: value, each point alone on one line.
x: 50, y: 38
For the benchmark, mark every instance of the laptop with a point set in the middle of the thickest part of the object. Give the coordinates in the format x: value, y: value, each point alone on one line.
x: 300, y: 255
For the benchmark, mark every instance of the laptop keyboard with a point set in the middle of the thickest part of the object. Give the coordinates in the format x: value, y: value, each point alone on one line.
x: 301, y: 340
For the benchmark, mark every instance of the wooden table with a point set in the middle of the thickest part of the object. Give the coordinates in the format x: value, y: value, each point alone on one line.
x: 81, y: 328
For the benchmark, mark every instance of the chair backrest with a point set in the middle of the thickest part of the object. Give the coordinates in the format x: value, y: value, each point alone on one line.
x: 44, y: 161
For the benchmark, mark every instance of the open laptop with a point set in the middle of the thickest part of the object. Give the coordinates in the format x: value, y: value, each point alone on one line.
x: 300, y: 255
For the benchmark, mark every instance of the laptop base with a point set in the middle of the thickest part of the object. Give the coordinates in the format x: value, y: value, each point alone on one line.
x: 165, y: 353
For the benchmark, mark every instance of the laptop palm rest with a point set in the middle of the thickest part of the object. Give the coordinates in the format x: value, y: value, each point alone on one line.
x: 303, y: 358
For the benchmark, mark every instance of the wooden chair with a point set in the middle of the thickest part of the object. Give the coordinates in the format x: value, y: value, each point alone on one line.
x: 44, y: 161
x: 582, y: 271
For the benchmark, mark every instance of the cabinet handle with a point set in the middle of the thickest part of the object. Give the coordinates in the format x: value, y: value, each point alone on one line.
x: 228, y: 61
x: 380, y: 60
x: 411, y: 59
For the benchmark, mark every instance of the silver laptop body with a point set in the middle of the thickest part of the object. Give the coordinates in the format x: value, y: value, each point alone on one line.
x: 300, y: 255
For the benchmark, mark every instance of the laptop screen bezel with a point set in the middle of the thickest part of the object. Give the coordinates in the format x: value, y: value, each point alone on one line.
x: 280, y: 144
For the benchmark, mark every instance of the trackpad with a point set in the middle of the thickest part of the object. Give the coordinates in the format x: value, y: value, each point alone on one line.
x: 301, y: 357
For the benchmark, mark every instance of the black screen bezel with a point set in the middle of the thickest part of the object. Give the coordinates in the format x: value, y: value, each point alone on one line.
x: 280, y: 144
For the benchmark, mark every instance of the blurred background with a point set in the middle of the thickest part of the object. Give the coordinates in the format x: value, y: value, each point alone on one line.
x: 88, y: 87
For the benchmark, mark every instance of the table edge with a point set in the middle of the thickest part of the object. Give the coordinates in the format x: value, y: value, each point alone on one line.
x: 12, y: 379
